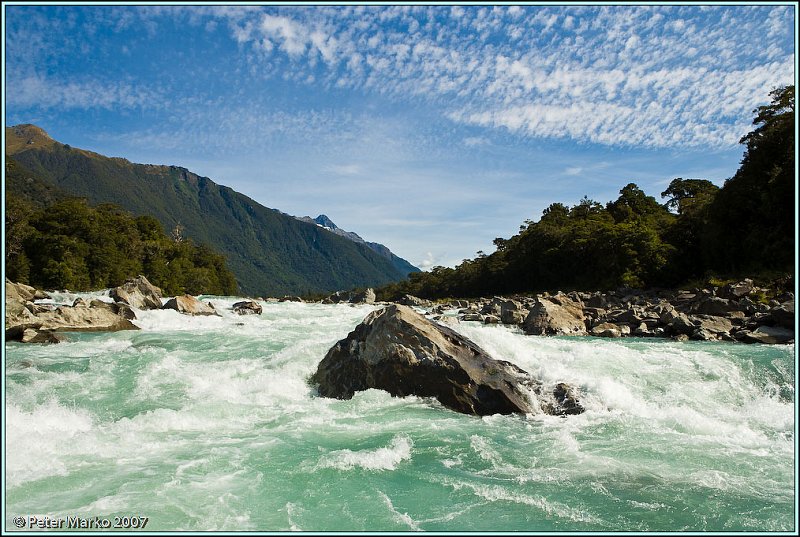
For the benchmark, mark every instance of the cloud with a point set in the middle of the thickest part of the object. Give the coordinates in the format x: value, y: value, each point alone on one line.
x: 592, y: 82
x: 429, y: 261
x: 47, y: 93
x: 658, y: 76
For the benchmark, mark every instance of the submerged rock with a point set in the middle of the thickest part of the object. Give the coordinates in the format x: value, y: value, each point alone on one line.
x: 398, y: 350
x: 138, y: 293
x: 189, y: 305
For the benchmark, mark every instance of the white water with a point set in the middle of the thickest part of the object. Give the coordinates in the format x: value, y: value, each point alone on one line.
x: 209, y: 423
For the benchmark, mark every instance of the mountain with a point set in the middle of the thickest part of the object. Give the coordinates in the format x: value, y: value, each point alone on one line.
x: 398, y: 262
x: 270, y: 253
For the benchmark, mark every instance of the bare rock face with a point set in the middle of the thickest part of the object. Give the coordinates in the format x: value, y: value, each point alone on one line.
x: 138, y: 293
x: 189, y: 305
x: 398, y: 350
x: 555, y: 315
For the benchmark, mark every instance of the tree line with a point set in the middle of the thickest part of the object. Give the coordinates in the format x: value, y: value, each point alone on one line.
x: 68, y: 244
x: 699, y: 231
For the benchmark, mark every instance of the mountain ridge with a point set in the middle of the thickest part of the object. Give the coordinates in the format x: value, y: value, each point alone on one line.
x: 399, y: 263
x: 270, y: 253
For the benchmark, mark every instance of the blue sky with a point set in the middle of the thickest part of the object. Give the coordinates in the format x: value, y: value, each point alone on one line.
x: 431, y: 129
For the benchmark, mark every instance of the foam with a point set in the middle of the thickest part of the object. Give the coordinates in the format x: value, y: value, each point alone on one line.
x: 41, y: 440
x: 385, y: 458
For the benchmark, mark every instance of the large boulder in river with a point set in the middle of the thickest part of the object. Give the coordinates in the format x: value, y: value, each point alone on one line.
x: 247, y: 307
x: 398, y: 350
x: 138, y: 293
x: 555, y: 315
x: 189, y: 305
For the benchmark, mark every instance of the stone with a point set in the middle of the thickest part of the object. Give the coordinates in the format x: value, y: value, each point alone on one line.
x: 677, y: 323
x: 783, y: 315
x: 367, y: 296
x: 289, y: 298
x: 606, y: 330
x: 138, y: 293
x: 115, y: 307
x: 189, y: 305
x: 491, y: 319
x: 766, y: 334
x: 557, y: 315
x: 31, y: 335
x: 737, y: 290
x: 512, y: 312
x: 247, y: 307
x: 472, y: 317
x: 716, y: 306
x: 410, y: 300
x: 714, y: 324
x: 21, y: 292
x: 398, y: 350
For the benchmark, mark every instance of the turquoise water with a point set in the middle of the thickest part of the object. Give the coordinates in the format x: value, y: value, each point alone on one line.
x: 208, y: 424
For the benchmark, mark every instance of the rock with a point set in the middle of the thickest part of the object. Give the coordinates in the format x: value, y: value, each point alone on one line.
x: 31, y: 335
x: 247, y: 307
x: 79, y: 303
x: 766, y: 334
x: 115, y: 307
x: 714, y: 324
x: 68, y: 319
x: 410, y: 300
x: 677, y: 323
x: 447, y: 320
x: 472, y: 317
x: 336, y: 298
x: 783, y: 315
x: 288, y: 298
x: 557, y: 315
x: 491, y: 319
x: 397, y: 350
x: 367, y: 296
x: 138, y: 293
x: 716, y: 306
x: 566, y: 401
x: 19, y: 318
x: 23, y: 293
x: 512, y: 312
x: 189, y: 305
x: 737, y: 290
x: 606, y: 330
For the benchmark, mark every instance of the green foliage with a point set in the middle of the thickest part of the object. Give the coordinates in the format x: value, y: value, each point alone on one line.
x: 752, y: 217
x: 744, y: 228
x: 72, y: 245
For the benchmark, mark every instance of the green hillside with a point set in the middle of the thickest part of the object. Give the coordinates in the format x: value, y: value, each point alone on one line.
x: 270, y: 253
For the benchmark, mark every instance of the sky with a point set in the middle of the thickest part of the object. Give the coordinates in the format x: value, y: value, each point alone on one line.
x: 430, y: 129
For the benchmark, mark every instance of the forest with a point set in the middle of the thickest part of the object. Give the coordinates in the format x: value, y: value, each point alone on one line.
x: 68, y: 244
x: 699, y: 231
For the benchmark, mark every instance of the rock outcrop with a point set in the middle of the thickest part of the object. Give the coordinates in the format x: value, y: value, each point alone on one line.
x: 398, y: 350
x: 138, y: 293
x: 189, y: 305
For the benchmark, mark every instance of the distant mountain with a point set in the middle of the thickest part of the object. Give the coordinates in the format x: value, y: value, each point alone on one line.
x: 398, y: 262
x: 270, y: 253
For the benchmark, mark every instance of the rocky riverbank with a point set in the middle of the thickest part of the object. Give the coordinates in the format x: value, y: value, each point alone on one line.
x: 30, y: 321
x: 734, y: 312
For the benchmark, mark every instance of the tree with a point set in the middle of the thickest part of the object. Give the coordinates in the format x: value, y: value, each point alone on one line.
x: 689, y: 194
